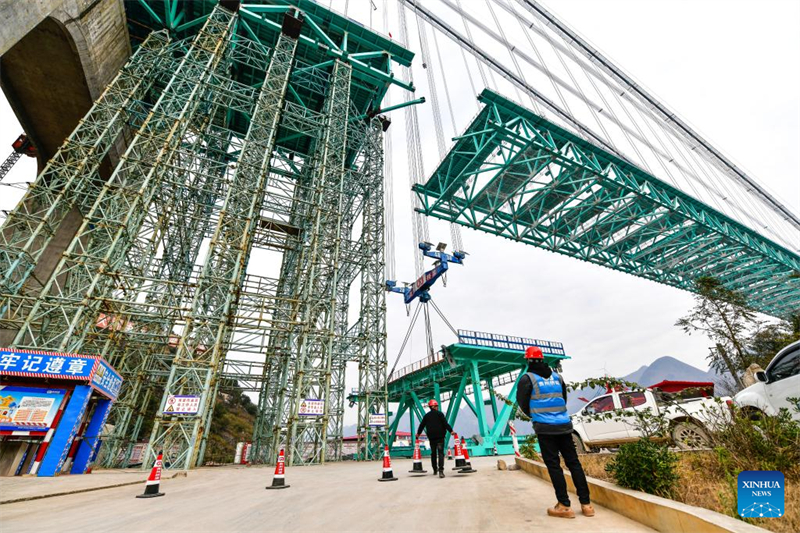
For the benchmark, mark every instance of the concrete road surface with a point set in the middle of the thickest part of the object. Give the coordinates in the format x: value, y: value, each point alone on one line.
x: 336, y: 497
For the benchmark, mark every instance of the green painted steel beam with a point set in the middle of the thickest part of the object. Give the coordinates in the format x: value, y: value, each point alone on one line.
x: 191, y: 24
x: 363, y: 71
x: 151, y: 12
x: 514, y: 174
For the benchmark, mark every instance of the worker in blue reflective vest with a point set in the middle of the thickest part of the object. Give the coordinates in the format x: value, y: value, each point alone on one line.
x: 542, y: 395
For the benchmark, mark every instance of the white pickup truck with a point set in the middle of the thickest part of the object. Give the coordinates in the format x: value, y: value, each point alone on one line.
x: 775, y: 385
x: 688, y: 419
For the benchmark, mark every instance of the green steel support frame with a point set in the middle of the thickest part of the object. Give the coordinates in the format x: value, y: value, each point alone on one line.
x: 479, y: 362
x: 67, y: 184
x: 228, y: 149
x: 201, y: 350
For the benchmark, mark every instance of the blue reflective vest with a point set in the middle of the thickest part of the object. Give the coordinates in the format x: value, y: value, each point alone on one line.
x: 547, y: 400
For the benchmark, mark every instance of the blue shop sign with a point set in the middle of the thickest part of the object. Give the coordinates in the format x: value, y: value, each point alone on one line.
x: 90, y: 369
x: 106, y: 380
x: 29, y: 363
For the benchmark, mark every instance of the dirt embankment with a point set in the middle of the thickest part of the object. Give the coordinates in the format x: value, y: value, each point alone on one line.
x: 702, y: 484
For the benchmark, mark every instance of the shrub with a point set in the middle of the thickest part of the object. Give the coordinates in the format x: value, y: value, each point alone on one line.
x: 528, y: 448
x: 758, y: 443
x: 645, y: 465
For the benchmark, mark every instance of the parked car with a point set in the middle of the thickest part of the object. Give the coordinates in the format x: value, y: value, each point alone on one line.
x: 688, y: 419
x: 779, y: 382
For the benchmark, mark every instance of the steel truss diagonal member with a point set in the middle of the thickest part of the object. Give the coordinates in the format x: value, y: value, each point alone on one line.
x: 203, y: 345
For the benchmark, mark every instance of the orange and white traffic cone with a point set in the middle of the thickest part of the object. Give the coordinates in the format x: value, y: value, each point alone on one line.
x: 387, y: 466
x: 468, y: 467
x: 417, y: 468
x: 279, y: 479
x: 460, y: 463
x: 449, y: 454
x: 514, y: 439
x: 494, y: 449
x: 153, y: 482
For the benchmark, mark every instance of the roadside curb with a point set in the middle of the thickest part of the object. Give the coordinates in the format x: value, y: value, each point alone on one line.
x: 89, y: 489
x: 661, y: 514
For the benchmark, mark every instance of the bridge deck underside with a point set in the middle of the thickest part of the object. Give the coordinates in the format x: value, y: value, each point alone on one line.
x: 259, y: 26
x: 519, y: 176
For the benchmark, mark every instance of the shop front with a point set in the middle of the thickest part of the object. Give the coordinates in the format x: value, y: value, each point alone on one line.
x: 53, y: 408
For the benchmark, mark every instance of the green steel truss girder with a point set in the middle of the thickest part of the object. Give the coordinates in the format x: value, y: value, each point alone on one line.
x: 67, y: 307
x: 519, y: 176
x: 201, y: 349
x: 461, y: 371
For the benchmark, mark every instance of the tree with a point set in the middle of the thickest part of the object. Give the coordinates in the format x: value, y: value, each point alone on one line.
x: 770, y: 339
x: 722, y: 314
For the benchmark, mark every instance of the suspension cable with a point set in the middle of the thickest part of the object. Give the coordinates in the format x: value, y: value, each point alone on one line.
x: 388, y: 177
x: 413, y: 152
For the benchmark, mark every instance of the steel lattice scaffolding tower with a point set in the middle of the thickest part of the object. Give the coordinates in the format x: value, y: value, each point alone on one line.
x: 234, y: 140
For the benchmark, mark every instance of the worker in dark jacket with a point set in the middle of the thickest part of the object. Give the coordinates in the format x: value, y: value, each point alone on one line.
x: 436, y: 427
x: 542, y: 395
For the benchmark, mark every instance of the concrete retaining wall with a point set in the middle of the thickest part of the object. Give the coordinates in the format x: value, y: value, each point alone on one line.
x: 658, y: 513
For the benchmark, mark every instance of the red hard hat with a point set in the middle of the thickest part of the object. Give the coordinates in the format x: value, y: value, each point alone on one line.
x: 433, y: 403
x: 533, y: 352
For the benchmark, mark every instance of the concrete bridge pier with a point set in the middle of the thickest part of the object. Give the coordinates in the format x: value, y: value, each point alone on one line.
x: 56, y: 57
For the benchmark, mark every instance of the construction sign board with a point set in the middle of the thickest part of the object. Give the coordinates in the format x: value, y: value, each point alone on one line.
x: 182, y: 405
x: 377, y: 420
x: 106, y: 380
x: 312, y: 407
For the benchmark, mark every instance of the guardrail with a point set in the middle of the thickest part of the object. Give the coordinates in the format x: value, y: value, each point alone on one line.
x: 489, y: 340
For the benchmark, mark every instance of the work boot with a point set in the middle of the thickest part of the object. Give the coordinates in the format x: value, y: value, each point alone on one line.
x: 441, y: 473
x: 561, y: 511
x: 587, y: 509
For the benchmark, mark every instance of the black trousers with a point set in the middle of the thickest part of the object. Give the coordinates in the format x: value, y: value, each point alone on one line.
x: 552, y: 446
x: 437, y: 455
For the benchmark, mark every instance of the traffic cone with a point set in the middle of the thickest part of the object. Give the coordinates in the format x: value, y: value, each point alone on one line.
x: 449, y: 454
x: 460, y: 463
x: 514, y: 439
x: 279, y: 480
x: 494, y: 449
x: 153, y: 482
x: 417, y: 469
x: 468, y: 467
x: 387, y: 466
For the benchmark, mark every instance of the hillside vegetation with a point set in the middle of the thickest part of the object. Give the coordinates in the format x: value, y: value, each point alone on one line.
x: 234, y: 415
